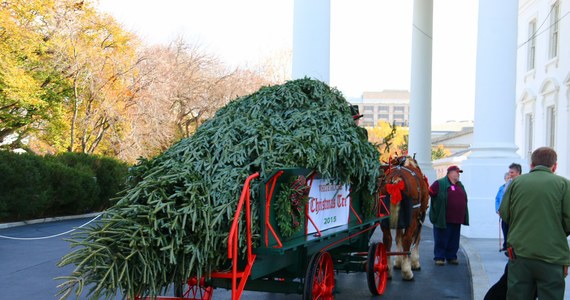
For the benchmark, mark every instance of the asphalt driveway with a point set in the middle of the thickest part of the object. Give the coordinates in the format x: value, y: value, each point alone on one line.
x: 28, y: 269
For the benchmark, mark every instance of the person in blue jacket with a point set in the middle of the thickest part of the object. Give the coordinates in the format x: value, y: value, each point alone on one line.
x: 514, y: 171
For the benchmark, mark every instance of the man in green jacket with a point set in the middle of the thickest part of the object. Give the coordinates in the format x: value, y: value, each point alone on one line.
x: 537, y: 208
x: 448, y: 211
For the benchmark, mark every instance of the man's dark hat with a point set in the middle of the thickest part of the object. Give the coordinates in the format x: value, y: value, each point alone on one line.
x: 454, y: 168
x: 355, y: 112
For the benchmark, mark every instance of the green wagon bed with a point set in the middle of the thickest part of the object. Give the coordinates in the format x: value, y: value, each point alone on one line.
x: 333, y: 234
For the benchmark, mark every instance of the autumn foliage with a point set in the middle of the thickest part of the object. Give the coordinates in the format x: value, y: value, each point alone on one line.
x: 392, y: 140
x: 72, y: 79
x: 389, y: 139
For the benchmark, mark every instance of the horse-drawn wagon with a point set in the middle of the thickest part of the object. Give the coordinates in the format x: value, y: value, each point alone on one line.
x: 333, y: 234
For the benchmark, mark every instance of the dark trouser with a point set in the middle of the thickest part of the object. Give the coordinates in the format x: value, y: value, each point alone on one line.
x: 446, y: 242
x: 505, y: 228
x: 527, y: 276
x: 499, y: 290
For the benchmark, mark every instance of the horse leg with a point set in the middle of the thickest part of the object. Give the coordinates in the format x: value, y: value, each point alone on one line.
x: 407, y: 273
x: 399, y: 234
x: 387, y: 240
x: 416, y: 254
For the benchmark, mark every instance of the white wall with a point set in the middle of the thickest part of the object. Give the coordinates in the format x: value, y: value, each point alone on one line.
x: 547, y: 84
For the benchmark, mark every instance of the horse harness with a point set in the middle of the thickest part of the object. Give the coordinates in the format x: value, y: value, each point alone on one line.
x: 421, y: 217
x: 414, y: 175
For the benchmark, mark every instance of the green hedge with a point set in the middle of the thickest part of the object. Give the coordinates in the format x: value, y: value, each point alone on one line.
x: 33, y: 186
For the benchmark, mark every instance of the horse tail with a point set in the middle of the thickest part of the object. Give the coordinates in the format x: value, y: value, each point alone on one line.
x: 394, y: 215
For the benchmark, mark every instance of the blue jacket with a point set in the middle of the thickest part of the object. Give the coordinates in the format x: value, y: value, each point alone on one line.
x: 499, y: 197
x: 500, y: 194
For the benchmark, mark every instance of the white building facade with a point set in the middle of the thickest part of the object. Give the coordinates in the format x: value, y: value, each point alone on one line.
x: 543, y: 79
x: 522, y: 97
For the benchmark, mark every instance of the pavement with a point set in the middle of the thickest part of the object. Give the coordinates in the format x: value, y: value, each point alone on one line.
x: 28, y: 268
x: 487, y: 264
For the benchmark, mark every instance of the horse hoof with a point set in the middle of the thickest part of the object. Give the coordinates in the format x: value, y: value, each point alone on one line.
x: 408, y: 279
x: 417, y: 268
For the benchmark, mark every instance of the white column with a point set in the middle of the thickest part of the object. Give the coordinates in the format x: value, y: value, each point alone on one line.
x: 493, y: 148
x: 311, y: 39
x: 420, y: 86
x: 566, y: 130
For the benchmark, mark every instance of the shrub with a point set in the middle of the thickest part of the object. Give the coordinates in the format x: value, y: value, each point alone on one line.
x: 110, y: 174
x: 73, y: 191
x: 33, y: 186
x: 23, y: 191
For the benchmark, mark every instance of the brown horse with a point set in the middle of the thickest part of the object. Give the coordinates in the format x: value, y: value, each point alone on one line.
x: 404, y: 181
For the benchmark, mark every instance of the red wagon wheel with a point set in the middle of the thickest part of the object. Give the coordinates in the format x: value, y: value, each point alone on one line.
x: 377, y: 269
x: 319, y: 280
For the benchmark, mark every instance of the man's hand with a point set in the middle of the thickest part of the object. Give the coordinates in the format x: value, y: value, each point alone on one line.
x: 565, y: 271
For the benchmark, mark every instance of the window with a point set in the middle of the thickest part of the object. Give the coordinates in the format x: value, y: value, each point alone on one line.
x: 383, y: 109
x: 551, y: 126
x: 398, y: 109
x: 531, y: 45
x: 383, y: 117
x: 367, y: 120
x: 398, y: 117
x: 554, y: 29
x: 369, y: 109
x: 528, y: 133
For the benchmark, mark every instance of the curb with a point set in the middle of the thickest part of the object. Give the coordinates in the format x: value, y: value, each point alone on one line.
x: 47, y: 220
x: 479, y: 278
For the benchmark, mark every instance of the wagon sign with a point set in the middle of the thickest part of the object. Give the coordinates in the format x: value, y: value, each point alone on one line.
x: 329, y: 205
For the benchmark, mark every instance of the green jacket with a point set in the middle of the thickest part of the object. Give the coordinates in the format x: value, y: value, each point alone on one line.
x: 537, y: 208
x: 438, y: 208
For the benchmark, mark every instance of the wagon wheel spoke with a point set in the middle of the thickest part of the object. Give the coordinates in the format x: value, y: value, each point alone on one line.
x: 319, y: 282
x: 377, y: 271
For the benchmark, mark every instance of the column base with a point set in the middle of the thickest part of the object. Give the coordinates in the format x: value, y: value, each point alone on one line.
x: 494, y: 150
x: 482, y: 178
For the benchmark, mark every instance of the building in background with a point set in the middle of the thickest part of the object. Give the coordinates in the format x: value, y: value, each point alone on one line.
x: 543, y: 79
x: 455, y: 136
x: 391, y: 106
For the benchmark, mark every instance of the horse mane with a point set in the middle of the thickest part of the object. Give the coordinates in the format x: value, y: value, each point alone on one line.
x: 411, y: 162
x: 406, y: 161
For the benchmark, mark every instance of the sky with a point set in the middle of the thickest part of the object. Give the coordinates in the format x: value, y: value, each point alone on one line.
x: 370, y: 40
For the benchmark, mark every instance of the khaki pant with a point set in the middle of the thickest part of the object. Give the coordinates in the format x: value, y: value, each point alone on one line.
x: 529, y: 276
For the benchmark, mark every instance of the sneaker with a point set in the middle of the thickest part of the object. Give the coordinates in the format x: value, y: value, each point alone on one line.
x: 439, y: 262
x: 453, y: 262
